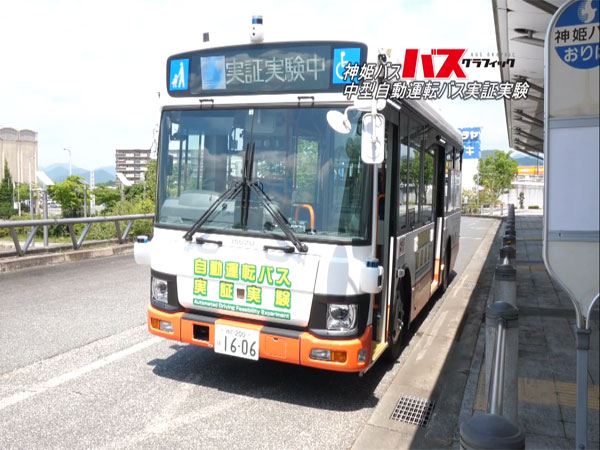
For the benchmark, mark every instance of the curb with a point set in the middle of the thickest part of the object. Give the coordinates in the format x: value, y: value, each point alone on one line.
x: 56, y: 248
x: 483, y: 216
x: 419, y: 375
x: 47, y: 259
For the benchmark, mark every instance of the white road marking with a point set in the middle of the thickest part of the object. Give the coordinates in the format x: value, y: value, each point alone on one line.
x: 42, y: 387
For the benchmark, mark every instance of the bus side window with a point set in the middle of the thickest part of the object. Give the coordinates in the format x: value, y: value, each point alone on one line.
x: 403, y: 171
x: 448, y: 177
x: 427, y: 192
x: 457, y: 183
x: 457, y: 158
x: 415, y: 180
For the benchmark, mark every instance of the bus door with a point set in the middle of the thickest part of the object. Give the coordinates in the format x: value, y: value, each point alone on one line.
x: 429, y: 203
x: 402, y: 211
x: 440, y: 183
x: 385, y: 199
x: 420, y: 244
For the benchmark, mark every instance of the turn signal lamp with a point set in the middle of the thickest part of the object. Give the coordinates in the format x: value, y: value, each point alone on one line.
x: 162, y: 325
x: 338, y: 356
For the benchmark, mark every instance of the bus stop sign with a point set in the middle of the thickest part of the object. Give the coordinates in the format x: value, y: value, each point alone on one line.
x: 571, y: 148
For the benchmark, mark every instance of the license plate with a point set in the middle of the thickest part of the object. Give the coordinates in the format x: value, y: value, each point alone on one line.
x: 240, y: 342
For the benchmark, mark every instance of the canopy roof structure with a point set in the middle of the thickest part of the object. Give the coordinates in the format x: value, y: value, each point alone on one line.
x: 520, y: 34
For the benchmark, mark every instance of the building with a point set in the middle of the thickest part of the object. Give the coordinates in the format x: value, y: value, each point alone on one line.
x: 19, y: 148
x: 132, y: 164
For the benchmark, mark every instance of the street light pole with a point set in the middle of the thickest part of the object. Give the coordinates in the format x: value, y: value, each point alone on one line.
x: 69, y: 151
x: 30, y: 192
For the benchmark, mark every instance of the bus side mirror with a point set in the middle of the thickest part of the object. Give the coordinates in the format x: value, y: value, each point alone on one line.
x: 373, y: 135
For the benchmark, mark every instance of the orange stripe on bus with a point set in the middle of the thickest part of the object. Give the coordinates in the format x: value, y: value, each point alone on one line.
x: 272, y: 346
x: 436, y: 270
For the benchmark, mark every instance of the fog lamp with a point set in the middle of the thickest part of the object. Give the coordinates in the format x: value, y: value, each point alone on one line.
x: 319, y: 353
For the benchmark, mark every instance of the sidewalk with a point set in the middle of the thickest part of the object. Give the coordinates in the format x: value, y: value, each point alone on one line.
x: 546, y: 371
x: 92, y: 250
x: 547, y: 356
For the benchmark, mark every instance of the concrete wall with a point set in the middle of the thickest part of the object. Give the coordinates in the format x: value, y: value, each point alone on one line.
x: 532, y: 190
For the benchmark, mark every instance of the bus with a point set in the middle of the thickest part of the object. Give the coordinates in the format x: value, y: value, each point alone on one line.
x: 293, y: 223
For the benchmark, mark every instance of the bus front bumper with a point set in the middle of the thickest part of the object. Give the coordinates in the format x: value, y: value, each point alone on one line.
x: 278, y: 344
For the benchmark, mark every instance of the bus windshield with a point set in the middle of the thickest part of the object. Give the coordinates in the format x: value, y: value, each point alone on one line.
x: 311, y: 173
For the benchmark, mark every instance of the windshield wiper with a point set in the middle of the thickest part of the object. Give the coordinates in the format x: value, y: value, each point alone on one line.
x: 225, y: 196
x: 245, y: 186
x: 276, y: 213
x: 229, y: 194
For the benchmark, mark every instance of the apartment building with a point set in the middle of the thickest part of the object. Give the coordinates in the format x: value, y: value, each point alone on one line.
x: 132, y: 163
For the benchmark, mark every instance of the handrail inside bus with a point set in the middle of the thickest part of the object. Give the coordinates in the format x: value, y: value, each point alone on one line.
x: 310, y: 210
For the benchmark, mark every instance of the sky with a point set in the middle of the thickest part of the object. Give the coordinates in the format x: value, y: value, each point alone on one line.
x: 85, y: 74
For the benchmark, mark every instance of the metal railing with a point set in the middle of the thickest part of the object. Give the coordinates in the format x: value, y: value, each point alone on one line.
x: 70, y: 223
x: 483, y: 209
x: 499, y: 428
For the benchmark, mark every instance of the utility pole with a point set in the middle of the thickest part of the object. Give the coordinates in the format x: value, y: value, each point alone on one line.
x: 30, y: 192
x: 19, y: 200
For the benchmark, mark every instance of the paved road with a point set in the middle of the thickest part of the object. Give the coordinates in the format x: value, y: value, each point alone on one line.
x: 78, y: 369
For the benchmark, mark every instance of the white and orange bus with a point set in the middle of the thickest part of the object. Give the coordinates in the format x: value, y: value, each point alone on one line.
x: 291, y: 223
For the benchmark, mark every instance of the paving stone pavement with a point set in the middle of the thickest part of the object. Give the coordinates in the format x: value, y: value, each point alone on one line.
x: 546, y: 360
x: 547, y: 356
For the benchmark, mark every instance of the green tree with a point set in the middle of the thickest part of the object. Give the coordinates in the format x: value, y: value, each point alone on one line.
x: 135, y: 192
x: 147, y: 189
x: 6, y: 194
x: 150, y: 180
x: 69, y: 194
x: 306, y: 170
x: 105, y: 195
x: 21, y: 195
x: 496, y: 174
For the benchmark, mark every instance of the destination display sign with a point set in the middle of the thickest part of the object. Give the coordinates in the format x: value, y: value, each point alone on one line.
x: 263, y: 69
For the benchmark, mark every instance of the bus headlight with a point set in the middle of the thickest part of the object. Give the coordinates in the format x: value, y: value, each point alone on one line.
x: 341, y: 317
x: 160, y: 290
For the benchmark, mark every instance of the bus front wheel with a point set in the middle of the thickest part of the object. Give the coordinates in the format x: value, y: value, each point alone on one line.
x: 398, y: 324
x: 446, y: 272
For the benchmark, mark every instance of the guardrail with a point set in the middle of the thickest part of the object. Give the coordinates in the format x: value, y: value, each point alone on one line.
x: 499, y: 428
x: 483, y: 209
x: 70, y: 223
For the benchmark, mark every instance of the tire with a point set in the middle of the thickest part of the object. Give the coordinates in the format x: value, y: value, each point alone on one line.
x: 446, y: 274
x: 398, y: 325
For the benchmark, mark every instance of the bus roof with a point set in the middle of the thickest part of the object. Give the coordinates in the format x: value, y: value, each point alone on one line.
x: 431, y: 113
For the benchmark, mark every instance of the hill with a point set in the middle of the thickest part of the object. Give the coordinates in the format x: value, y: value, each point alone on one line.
x: 522, y: 159
x: 60, y: 171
